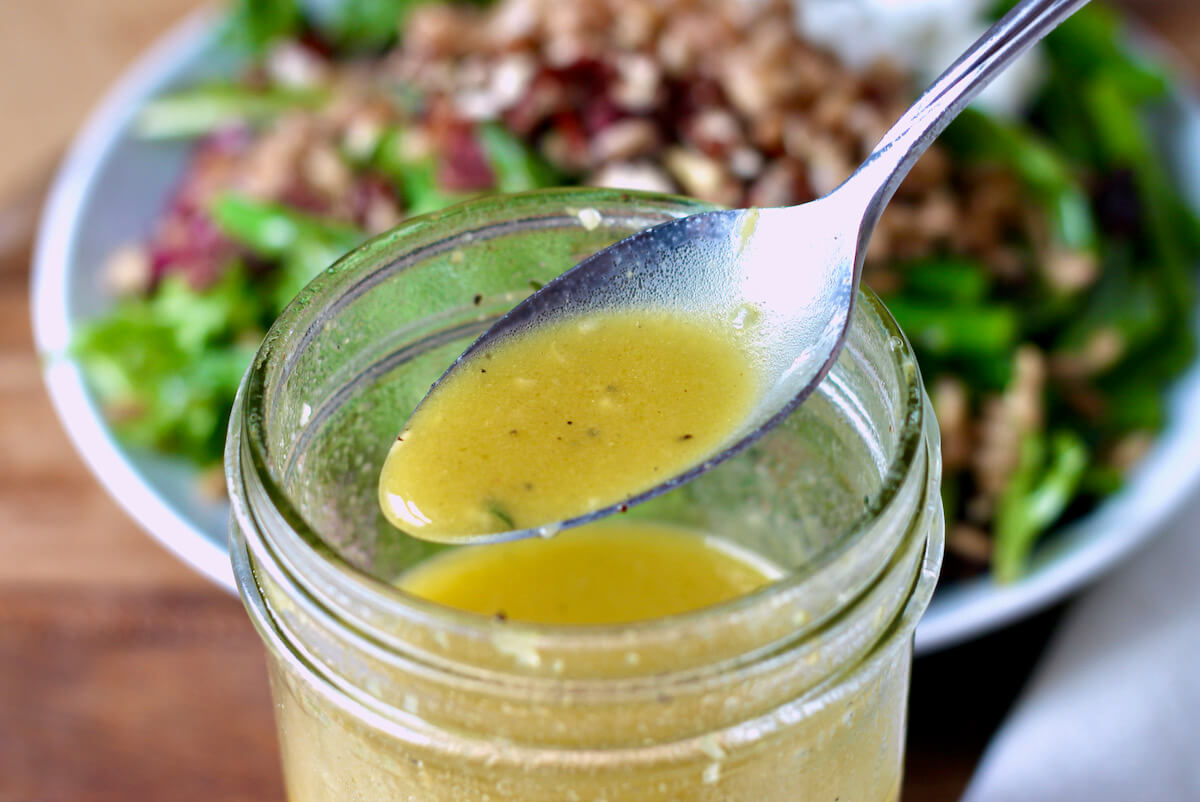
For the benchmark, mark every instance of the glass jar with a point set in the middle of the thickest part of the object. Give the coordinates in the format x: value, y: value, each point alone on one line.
x: 796, y: 691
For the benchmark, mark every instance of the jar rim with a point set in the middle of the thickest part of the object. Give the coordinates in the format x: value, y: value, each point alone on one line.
x: 248, y: 420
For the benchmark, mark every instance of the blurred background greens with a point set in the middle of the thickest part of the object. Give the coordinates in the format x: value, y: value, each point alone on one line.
x: 1041, y: 260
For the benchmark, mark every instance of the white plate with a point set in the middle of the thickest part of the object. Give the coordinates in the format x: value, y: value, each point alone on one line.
x: 111, y: 186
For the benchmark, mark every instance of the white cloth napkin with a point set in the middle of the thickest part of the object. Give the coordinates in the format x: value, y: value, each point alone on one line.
x: 1112, y: 712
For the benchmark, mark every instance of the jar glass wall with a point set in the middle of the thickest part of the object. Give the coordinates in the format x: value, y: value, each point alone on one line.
x: 795, y: 691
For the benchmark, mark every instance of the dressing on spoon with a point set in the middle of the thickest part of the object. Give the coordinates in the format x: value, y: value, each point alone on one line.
x: 565, y: 419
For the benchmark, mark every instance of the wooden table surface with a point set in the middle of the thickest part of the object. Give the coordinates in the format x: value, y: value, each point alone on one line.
x: 125, y: 676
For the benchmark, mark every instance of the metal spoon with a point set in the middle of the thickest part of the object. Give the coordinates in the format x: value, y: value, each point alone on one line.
x: 795, y: 271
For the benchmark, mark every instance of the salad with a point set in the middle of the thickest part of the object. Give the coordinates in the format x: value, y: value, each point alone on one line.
x: 1042, y: 263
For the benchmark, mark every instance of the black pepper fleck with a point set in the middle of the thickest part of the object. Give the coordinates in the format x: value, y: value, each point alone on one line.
x: 477, y: 300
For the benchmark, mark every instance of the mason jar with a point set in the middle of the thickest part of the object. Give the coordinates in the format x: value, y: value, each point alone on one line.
x: 796, y: 691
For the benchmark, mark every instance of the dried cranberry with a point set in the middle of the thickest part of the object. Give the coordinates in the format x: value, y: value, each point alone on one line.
x: 463, y: 166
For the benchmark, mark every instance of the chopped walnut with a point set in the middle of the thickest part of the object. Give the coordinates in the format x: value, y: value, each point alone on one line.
x: 127, y: 271
x: 970, y: 543
x: 704, y: 177
x: 625, y: 140
x: 952, y: 407
x: 639, y: 80
x: 1006, y: 419
x: 1127, y: 452
x: 326, y: 171
x: 1102, y: 349
x: 292, y: 64
x: 638, y: 175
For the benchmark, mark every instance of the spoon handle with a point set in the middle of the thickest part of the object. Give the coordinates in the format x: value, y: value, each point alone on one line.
x: 1026, y: 24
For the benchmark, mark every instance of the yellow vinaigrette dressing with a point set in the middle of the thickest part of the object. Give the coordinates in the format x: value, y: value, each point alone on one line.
x: 569, y: 418
x: 603, y: 573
